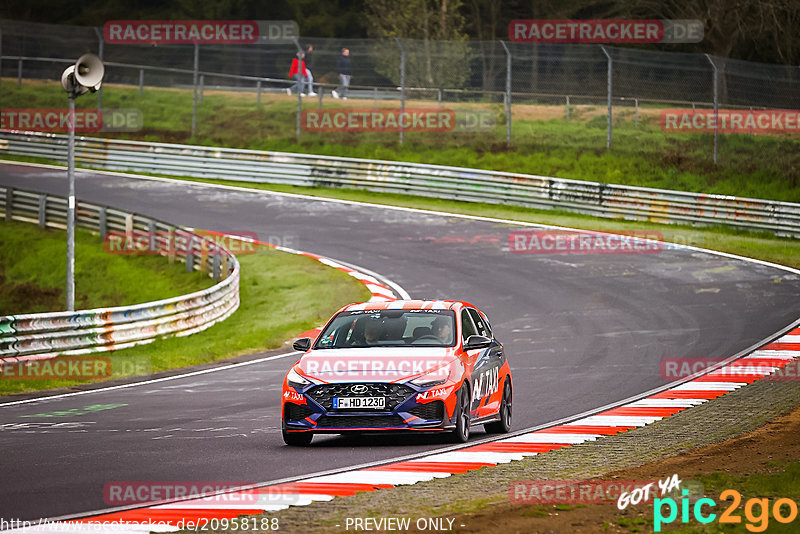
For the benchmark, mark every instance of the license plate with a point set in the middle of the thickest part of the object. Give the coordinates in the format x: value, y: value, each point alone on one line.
x: 372, y: 403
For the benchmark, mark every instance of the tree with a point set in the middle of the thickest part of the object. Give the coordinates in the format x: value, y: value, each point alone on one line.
x: 432, y: 33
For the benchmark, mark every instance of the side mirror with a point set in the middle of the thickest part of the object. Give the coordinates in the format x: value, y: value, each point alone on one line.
x: 302, y: 344
x: 477, y: 342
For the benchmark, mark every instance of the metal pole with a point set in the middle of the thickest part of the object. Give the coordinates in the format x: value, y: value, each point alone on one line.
x: 194, y: 86
x: 202, y: 87
x: 71, y: 209
x: 440, y: 100
x: 100, y: 43
x: 636, y: 113
x: 567, y: 108
x: 320, y: 96
x: 141, y: 81
x: 258, y: 92
x: 19, y: 73
x: 716, y: 105
x: 609, y: 117
x: 402, y: 86
x: 508, y: 92
x: 375, y: 96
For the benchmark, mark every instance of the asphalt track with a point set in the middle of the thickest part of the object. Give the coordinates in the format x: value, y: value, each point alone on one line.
x: 581, y: 331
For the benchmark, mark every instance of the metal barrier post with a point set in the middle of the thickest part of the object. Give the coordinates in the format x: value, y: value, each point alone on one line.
x: 43, y: 210
x: 100, y: 43
x: 71, y: 209
x: 102, y: 222
x: 19, y: 73
x: 194, y: 88
x: 508, y: 92
x: 567, y: 108
x: 716, y: 105
x: 9, y: 202
x: 141, y: 81
x: 402, y: 85
x: 636, y: 113
x: 609, y: 116
x: 202, y: 87
x: 215, y: 266
x: 258, y: 92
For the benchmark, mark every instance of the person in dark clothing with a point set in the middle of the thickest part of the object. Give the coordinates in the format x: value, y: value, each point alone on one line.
x: 343, y: 68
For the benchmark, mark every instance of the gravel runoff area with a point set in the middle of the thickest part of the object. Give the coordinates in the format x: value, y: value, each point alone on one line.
x: 477, y: 500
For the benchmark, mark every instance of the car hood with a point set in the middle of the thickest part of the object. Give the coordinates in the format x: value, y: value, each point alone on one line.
x: 376, y: 364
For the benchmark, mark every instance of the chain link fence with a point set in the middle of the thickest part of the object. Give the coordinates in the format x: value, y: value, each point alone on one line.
x: 519, y: 82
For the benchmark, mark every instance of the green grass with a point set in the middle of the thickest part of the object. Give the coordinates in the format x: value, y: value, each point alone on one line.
x: 33, y: 273
x: 753, y: 166
x: 282, y: 295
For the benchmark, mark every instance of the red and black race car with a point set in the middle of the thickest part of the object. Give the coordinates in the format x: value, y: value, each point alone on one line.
x: 403, y: 365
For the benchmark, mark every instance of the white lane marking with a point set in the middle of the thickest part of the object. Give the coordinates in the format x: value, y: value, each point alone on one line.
x: 395, y: 478
x: 665, y: 403
x: 544, y: 437
x: 467, y: 456
x: 617, y: 420
x: 246, y: 502
x: 709, y: 386
x: 153, y: 381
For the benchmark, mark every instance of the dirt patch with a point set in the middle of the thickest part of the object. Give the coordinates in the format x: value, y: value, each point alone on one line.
x: 761, y: 451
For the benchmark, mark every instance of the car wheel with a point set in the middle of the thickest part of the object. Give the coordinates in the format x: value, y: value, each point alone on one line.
x: 461, y: 432
x: 297, y: 439
x: 504, y: 424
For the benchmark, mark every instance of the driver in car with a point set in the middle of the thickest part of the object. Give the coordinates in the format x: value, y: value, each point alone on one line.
x: 442, y: 329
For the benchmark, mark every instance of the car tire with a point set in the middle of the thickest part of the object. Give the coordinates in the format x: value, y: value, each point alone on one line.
x: 502, y: 426
x: 297, y: 439
x: 461, y: 433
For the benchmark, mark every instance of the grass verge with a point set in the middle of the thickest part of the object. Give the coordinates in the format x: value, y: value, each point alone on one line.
x: 281, y: 296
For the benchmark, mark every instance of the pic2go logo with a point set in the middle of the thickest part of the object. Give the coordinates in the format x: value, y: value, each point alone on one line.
x: 756, y: 511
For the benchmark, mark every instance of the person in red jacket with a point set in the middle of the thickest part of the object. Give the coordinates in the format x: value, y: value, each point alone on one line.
x: 298, y: 72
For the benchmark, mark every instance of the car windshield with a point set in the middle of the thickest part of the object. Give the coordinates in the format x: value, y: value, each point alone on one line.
x: 371, y: 328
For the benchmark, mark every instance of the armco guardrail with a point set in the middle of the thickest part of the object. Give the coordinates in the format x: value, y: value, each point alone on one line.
x: 46, y: 335
x: 592, y: 198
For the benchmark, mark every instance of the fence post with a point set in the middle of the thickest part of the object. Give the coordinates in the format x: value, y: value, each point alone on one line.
x: 375, y: 96
x: 215, y: 266
x: 19, y: 73
x: 320, y: 96
x: 194, y: 87
x: 43, y: 210
x: 609, y: 117
x: 567, y: 108
x: 9, y: 202
x: 202, y: 88
x: 402, y: 85
x: 636, y: 113
x: 716, y: 105
x: 508, y: 92
x: 141, y: 81
x: 440, y: 100
x: 258, y: 92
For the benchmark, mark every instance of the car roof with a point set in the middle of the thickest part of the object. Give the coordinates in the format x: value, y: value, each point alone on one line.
x: 408, y: 305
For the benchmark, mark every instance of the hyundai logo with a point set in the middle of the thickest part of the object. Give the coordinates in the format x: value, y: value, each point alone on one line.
x: 359, y: 389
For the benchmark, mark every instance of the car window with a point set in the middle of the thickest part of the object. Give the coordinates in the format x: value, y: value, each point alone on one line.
x: 432, y: 328
x: 467, y: 328
x: 480, y: 324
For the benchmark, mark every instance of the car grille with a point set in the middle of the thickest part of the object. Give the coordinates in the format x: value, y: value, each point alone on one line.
x: 296, y: 413
x: 359, y: 421
x: 394, y: 393
x: 431, y: 410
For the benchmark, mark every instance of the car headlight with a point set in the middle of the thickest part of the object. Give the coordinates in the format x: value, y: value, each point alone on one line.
x: 295, y: 380
x: 434, y: 377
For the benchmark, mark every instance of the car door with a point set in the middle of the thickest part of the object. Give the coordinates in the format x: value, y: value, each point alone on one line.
x: 486, y: 374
